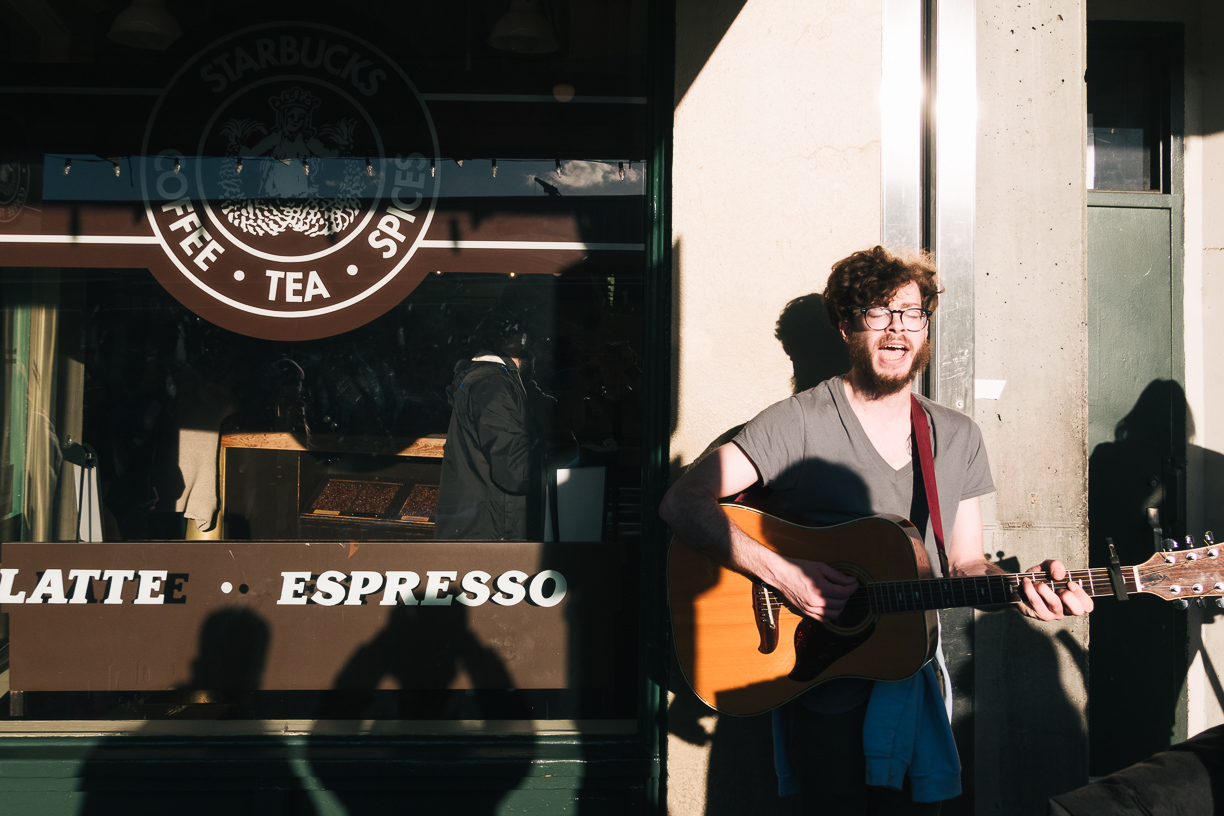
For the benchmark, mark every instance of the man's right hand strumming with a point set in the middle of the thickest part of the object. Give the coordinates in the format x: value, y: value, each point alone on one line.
x: 813, y: 588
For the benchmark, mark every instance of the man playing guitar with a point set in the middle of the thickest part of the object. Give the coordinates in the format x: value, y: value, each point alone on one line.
x: 843, y: 450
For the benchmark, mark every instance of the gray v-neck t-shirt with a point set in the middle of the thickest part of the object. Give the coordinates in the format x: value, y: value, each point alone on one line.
x: 821, y: 468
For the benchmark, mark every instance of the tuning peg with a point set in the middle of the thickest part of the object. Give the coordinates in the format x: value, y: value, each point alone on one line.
x: 1181, y: 603
x: 1207, y: 539
x: 1170, y: 544
x: 1190, y: 541
x: 1219, y: 603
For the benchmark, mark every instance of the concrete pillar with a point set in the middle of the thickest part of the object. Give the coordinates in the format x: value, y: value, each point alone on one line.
x: 1031, y: 332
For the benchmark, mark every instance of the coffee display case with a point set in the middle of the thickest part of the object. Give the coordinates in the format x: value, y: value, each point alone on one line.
x: 294, y: 486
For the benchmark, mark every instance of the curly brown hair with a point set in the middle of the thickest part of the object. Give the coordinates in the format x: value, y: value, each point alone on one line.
x: 872, y: 276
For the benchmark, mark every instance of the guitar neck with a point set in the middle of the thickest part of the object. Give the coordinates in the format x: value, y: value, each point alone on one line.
x: 980, y: 590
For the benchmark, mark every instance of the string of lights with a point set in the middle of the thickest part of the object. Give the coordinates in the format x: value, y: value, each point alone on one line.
x: 622, y: 167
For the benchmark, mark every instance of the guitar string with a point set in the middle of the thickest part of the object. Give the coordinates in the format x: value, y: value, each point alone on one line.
x: 984, y: 590
x: 919, y: 594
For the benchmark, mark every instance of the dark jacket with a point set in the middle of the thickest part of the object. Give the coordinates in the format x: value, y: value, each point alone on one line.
x: 492, y: 472
x: 1185, y: 779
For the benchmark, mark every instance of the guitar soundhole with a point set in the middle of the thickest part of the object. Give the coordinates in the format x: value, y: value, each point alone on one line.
x: 857, y: 612
x: 852, y: 617
x: 819, y: 645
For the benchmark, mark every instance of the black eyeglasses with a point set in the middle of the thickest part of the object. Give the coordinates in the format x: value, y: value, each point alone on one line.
x: 880, y: 317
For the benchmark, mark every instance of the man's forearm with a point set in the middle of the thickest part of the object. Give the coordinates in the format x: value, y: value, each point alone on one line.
x: 693, y: 514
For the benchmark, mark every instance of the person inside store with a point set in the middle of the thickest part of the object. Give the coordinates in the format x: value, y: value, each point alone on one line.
x: 842, y: 450
x: 492, y: 486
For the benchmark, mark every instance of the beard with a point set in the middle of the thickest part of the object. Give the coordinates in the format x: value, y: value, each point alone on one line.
x: 875, y: 384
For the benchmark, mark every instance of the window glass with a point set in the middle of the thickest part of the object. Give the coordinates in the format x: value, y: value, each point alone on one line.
x: 1128, y: 110
x: 322, y: 386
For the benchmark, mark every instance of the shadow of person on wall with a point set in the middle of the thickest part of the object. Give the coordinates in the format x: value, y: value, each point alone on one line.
x: 225, y: 676
x: 1138, y: 646
x: 816, y: 349
x: 419, y: 653
x: 1056, y: 736
x: 410, y: 671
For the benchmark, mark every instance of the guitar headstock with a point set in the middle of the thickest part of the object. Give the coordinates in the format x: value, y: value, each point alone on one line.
x: 1183, y: 575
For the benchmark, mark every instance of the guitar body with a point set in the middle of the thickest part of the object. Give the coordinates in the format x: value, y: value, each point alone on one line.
x: 721, y: 624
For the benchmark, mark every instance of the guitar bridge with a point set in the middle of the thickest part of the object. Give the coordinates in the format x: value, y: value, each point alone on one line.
x: 765, y: 609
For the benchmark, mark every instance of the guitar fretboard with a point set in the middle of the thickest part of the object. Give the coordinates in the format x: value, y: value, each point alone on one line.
x: 977, y: 590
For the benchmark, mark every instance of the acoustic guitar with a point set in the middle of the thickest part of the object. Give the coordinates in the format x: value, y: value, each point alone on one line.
x: 744, y: 651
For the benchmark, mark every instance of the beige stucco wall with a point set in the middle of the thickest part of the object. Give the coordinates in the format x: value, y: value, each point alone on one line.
x: 776, y: 175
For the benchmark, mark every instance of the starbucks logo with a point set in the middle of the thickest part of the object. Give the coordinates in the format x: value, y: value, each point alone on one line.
x: 283, y: 196
x: 282, y: 208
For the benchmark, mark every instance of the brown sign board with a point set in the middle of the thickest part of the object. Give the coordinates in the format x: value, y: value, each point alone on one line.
x: 137, y: 616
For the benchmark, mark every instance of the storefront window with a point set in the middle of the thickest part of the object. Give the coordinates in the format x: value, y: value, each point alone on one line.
x: 323, y: 378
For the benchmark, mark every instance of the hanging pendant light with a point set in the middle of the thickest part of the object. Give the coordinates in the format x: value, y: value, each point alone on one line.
x: 524, y: 30
x: 145, y: 24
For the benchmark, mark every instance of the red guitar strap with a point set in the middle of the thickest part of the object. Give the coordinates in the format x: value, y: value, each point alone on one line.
x: 922, y: 440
